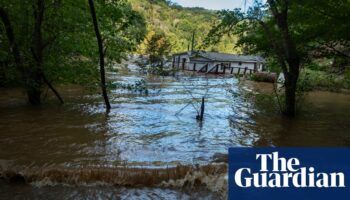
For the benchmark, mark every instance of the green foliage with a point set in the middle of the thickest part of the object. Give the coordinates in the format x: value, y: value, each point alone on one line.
x: 272, y: 65
x: 178, y: 24
x: 312, y: 36
x: 121, y: 27
x: 253, y: 77
x: 139, y: 86
x: 265, y: 102
x: 347, y: 78
x: 322, y: 26
x: 70, y: 53
x: 157, y: 47
x: 263, y: 77
x: 314, y: 66
x: 318, y: 80
x: 291, y: 33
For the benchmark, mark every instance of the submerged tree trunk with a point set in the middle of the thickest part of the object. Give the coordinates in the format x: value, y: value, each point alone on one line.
x: 38, y: 74
x: 287, y: 54
x: 101, y: 52
x: 34, y: 95
x: 36, y: 71
x: 32, y: 77
x: 290, y: 94
x: 32, y: 92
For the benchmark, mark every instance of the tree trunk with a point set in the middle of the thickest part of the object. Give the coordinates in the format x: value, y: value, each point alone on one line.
x: 31, y: 77
x: 11, y: 37
x: 38, y: 76
x: 33, y: 93
x: 36, y: 71
x: 193, y: 42
x: 101, y: 52
x: 287, y: 54
x: 290, y: 94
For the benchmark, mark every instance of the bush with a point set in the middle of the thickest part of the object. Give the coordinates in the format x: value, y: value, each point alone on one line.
x: 314, y: 66
x: 347, y: 77
x: 264, y: 77
x: 312, y: 80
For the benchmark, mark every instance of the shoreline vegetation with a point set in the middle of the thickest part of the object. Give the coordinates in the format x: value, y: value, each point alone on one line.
x: 313, y: 80
x: 54, y: 54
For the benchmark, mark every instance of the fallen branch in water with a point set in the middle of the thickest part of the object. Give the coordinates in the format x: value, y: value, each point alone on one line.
x: 198, y: 109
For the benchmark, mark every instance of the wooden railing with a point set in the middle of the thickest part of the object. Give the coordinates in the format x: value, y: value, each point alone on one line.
x: 215, y: 69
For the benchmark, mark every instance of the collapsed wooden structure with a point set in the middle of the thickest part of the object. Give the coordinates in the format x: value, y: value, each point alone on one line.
x: 218, y: 63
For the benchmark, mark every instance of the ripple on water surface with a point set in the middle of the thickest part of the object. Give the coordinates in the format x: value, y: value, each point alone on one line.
x: 153, y: 131
x: 160, y: 129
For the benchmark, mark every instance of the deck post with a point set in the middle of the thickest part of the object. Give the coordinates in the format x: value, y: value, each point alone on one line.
x: 239, y: 70
x: 245, y: 70
x: 200, y: 115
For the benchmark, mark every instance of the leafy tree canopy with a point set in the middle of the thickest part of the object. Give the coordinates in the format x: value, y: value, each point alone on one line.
x: 69, y: 48
x: 56, y: 41
x: 317, y: 27
x: 289, y: 32
x: 157, y: 47
x: 178, y: 24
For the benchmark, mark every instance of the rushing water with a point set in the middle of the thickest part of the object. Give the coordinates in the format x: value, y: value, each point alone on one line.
x: 154, y: 130
x: 98, y: 192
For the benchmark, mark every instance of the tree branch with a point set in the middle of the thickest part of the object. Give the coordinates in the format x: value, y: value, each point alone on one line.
x: 11, y: 38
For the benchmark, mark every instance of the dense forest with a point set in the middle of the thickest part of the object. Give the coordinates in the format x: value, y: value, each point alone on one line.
x: 179, y: 24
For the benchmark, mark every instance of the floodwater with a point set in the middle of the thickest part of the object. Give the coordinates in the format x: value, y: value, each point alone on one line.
x: 150, y: 133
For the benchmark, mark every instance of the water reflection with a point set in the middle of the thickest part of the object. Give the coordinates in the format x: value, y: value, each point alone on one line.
x: 160, y: 129
x: 324, y: 121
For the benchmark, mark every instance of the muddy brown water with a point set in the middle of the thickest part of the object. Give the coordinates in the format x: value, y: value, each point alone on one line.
x: 153, y: 131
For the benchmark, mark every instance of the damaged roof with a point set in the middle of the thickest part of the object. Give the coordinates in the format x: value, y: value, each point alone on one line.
x: 225, y: 57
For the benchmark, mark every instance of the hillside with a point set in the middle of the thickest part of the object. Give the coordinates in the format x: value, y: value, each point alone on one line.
x: 178, y: 23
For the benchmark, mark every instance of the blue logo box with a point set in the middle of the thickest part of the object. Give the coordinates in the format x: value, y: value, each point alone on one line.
x: 289, y: 173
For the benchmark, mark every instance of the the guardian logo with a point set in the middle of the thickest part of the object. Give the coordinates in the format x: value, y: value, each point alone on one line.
x: 289, y: 173
x: 279, y: 172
